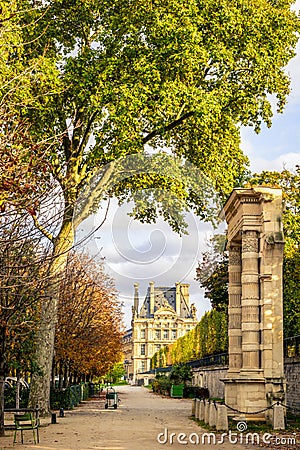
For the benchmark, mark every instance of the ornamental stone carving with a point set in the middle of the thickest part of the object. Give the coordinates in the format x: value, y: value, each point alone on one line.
x: 234, y: 256
x: 250, y: 242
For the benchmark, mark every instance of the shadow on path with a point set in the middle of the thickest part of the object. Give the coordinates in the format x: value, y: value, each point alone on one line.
x: 136, y: 424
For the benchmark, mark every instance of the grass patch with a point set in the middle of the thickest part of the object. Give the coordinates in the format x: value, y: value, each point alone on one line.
x: 293, y: 423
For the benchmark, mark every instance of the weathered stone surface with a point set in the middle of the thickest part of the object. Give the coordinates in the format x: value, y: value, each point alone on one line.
x: 211, y: 378
x: 255, y: 376
x: 212, y: 415
x: 197, y: 408
x: 193, y: 407
x: 201, y: 410
x: 278, y: 418
x: 222, y: 419
x: 206, y: 412
x: 292, y: 376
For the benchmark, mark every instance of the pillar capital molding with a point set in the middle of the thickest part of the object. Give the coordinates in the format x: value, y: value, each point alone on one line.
x: 235, y: 255
x: 250, y: 242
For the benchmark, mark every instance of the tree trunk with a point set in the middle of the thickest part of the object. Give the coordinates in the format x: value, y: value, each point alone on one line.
x: 53, y: 370
x: 2, y: 376
x: 40, y: 383
x: 18, y: 387
x: 2, y: 432
x: 66, y: 375
x: 60, y: 376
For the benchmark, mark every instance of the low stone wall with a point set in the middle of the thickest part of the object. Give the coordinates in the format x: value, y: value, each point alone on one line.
x: 210, y: 377
x: 292, y: 375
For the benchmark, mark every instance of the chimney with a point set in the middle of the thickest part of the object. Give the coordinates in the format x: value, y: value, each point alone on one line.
x: 136, y: 298
x: 186, y: 294
x: 177, y: 301
x: 151, y: 297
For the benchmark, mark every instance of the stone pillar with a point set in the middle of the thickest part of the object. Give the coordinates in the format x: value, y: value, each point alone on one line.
x: 278, y: 418
x: 212, y: 415
x: 272, y: 246
x: 193, y: 407
x: 206, y: 411
x: 201, y: 410
x: 234, y: 318
x: 197, y: 408
x: 235, y: 309
x: 250, y: 303
x: 222, y: 419
x: 255, y: 378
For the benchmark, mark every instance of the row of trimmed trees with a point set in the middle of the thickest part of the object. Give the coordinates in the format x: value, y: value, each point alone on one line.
x: 89, y: 321
x: 88, y: 338
x: 209, y: 337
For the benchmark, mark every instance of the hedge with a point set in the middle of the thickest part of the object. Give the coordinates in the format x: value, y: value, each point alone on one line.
x: 210, y: 336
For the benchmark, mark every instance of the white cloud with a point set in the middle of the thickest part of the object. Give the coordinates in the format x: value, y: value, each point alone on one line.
x: 284, y: 161
x: 275, y: 150
x: 135, y: 252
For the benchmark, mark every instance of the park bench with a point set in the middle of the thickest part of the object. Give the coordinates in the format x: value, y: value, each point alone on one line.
x: 25, y: 419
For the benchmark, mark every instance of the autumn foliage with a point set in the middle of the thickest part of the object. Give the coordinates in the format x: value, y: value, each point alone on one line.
x: 89, y: 330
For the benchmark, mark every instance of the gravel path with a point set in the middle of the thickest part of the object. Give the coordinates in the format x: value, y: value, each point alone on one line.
x: 140, y: 419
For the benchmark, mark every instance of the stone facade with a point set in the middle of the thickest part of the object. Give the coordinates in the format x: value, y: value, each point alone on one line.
x: 212, y: 378
x: 127, y: 353
x: 292, y: 375
x: 165, y: 315
x: 255, y: 377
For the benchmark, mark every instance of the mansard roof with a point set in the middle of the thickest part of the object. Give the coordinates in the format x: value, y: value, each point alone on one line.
x: 165, y: 296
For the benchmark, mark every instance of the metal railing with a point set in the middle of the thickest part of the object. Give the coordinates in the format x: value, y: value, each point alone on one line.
x: 291, y: 350
x: 220, y: 359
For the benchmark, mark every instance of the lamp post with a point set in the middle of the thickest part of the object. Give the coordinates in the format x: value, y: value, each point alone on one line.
x: 126, y: 365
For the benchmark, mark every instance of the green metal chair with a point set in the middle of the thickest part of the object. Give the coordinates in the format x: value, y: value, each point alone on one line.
x: 26, y: 421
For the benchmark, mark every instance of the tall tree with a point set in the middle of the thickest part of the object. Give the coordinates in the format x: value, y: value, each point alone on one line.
x: 89, y: 331
x: 289, y: 182
x: 123, y: 75
x: 212, y: 271
x: 23, y: 269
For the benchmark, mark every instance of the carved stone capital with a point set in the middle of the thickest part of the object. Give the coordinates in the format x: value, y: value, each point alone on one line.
x: 234, y: 255
x: 250, y: 242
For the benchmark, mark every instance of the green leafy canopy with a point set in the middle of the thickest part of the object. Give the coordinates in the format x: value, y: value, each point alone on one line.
x: 120, y: 76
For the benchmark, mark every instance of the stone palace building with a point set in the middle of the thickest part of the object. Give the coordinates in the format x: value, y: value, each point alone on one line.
x: 165, y: 315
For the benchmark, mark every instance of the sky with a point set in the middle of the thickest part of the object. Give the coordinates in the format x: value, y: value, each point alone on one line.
x: 279, y: 146
x: 139, y: 253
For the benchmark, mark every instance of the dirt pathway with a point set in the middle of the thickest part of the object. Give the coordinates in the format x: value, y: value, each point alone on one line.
x: 139, y: 421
